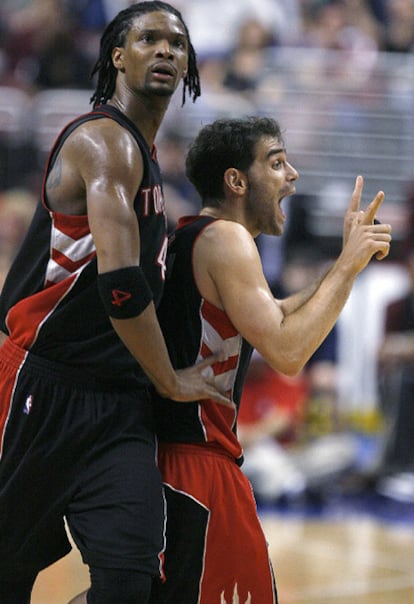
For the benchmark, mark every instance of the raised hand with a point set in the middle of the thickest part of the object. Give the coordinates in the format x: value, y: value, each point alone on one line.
x: 362, y: 238
x: 354, y: 210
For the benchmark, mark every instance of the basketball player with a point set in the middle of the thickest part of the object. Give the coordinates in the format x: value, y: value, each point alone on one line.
x: 79, y: 308
x: 216, y: 297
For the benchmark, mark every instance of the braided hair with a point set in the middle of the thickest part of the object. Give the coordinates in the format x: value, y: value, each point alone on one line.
x: 115, y: 34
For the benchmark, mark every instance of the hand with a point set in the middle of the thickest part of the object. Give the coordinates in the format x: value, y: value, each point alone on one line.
x: 195, y: 383
x: 367, y: 238
x: 354, y: 207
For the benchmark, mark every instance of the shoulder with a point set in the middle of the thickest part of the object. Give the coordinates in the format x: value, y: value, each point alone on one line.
x: 222, y: 229
x: 225, y: 250
x: 104, y: 132
x: 226, y: 238
x: 102, y: 144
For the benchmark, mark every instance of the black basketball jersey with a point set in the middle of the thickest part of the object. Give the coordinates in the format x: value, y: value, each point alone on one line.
x: 50, y: 303
x: 194, y: 329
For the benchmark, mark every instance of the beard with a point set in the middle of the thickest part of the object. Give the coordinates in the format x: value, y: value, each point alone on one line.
x: 262, y: 214
x: 159, y: 89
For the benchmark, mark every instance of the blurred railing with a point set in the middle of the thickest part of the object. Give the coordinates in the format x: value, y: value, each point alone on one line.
x: 342, y: 114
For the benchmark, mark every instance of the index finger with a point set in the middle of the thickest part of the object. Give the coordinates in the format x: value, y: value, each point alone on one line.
x: 356, y: 194
x: 217, y: 357
x: 372, y: 209
x: 220, y: 398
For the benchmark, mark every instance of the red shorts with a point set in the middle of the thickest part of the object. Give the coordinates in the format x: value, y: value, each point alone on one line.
x: 216, y: 552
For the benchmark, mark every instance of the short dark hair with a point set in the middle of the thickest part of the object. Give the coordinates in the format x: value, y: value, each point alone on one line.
x: 115, y: 34
x: 223, y: 144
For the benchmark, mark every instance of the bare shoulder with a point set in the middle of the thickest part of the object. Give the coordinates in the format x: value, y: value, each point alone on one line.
x: 226, y: 230
x: 225, y: 239
x: 97, y: 155
x: 226, y: 262
x: 102, y: 140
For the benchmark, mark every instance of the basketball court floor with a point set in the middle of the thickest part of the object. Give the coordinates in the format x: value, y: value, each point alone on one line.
x: 358, y: 551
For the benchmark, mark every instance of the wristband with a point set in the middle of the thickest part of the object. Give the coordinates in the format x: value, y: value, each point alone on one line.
x: 125, y: 292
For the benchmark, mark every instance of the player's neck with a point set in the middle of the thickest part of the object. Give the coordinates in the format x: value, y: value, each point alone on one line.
x: 146, y: 113
x: 232, y: 213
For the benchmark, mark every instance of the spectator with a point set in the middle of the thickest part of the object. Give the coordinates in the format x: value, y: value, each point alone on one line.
x: 178, y: 190
x: 399, y: 26
x: 396, y: 371
x: 246, y: 61
x: 61, y: 62
x: 16, y: 211
x: 27, y: 26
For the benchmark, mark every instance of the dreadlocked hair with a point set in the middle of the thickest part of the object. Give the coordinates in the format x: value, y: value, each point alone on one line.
x: 115, y: 34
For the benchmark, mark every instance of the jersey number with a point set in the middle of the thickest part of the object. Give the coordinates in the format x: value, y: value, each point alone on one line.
x: 162, y: 257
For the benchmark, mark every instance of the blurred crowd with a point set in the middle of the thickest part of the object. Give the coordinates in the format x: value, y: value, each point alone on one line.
x: 53, y: 43
x: 292, y: 429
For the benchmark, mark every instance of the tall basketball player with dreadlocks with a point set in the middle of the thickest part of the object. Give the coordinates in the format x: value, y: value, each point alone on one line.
x: 79, y: 309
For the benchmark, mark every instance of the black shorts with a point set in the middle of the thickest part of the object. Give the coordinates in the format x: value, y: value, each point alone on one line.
x: 69, y: 450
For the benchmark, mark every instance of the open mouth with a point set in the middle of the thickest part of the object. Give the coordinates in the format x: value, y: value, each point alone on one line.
x: 282, y: 213
x: 291, y: 191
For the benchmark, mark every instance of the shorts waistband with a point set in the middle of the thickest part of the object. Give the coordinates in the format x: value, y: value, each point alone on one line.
x: 11, y: 354
x: 195, y: 449
x: 16, y: 357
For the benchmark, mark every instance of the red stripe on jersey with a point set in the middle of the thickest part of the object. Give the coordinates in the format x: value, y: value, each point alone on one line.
x: 71, y: 225
x: 218, y: 334
x: 72, y: 247
x: 218, y: 318
x: 26, y: 317
x: 227, y: 365
x: 218, y: 422
x: 13, y: 358
x: 205, y: 350
x: 222, y: 366
x: 69, y: 264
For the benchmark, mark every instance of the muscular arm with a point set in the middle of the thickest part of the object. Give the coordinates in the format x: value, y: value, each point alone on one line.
x: 110, y: 166
x: 230, y: 275
x: 296, y: 300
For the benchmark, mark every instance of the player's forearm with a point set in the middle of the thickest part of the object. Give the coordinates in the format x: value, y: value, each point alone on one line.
x: 302, y: 331
x: 143, y: 337
x: 296, y: 300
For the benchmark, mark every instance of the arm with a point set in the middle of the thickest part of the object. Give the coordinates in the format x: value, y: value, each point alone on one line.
x: 297, y: 299
x: 229, y: 274
x: 110, y: 165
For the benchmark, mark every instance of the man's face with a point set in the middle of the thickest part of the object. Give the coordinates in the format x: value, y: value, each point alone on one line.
x: 155, y: 56
x: 270, y: 179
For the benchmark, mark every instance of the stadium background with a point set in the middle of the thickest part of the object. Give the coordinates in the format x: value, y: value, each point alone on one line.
x: 339, y: 77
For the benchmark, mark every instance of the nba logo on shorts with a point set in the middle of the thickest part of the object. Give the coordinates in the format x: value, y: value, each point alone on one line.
x: 28, y: 405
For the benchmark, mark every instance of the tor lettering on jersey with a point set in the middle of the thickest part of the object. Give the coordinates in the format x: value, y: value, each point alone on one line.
x: 236, y: 598
x: 152, y: 201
